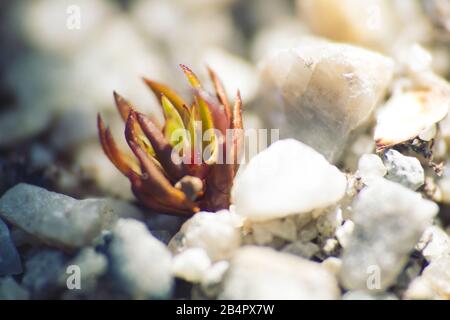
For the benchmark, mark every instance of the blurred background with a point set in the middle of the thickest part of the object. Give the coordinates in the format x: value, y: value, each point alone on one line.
x: 60, y: 61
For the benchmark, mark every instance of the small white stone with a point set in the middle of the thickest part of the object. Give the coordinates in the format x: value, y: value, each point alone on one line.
x: 405, y: 170
x: 389, y: 221
x: 409, y: 113
x: 218, y: 233
x: 262, y: 273
x: 191, y: 264
x: 290, y: 178
x: 344, y: 233
x: 370, y: 167
x: 141, y: 263
x: 434, y: 243
x: 330, y: 246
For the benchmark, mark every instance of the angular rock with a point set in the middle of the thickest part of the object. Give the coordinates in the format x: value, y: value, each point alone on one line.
x: 389, y: 221
x: 319, y: 92
x: 218, y: 233
x: 10, y: 262
x: 262, y: 273
x: 287, y: 178
x: 56, y: 219
x: 434, y: 243
x: 370, y: 167
x: 141, y: 263
x: 405, y: 170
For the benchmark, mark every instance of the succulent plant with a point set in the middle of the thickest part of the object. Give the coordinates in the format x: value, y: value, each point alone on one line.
x: 175, y: 171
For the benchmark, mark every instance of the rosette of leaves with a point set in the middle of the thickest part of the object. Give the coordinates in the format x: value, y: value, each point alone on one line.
x: 188, y: 163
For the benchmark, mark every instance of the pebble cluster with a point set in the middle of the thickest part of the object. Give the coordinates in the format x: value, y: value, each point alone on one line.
x: 353, y: 202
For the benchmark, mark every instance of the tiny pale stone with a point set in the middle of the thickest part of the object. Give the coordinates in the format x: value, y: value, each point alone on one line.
x: 344, y: 233
x: 370, y: 167
x: 405, y: 170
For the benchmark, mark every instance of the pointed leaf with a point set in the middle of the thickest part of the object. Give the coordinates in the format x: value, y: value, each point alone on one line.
x: 160, y: 89
x: 170, y: 161
x: 221, y: 94
x: 173, y: 122
x: 123, y: 162
x: 160, y: 187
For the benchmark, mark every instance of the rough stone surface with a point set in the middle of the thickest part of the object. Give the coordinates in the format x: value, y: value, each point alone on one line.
x: 10, y: 262
x: 217, y: 233
x: 55, y: 218
x: 389, y: 221
x: 405, y: 170
x: 262, y: 273
x: 141, y: 263
x: 319, y: 91
x: 282, y: 172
